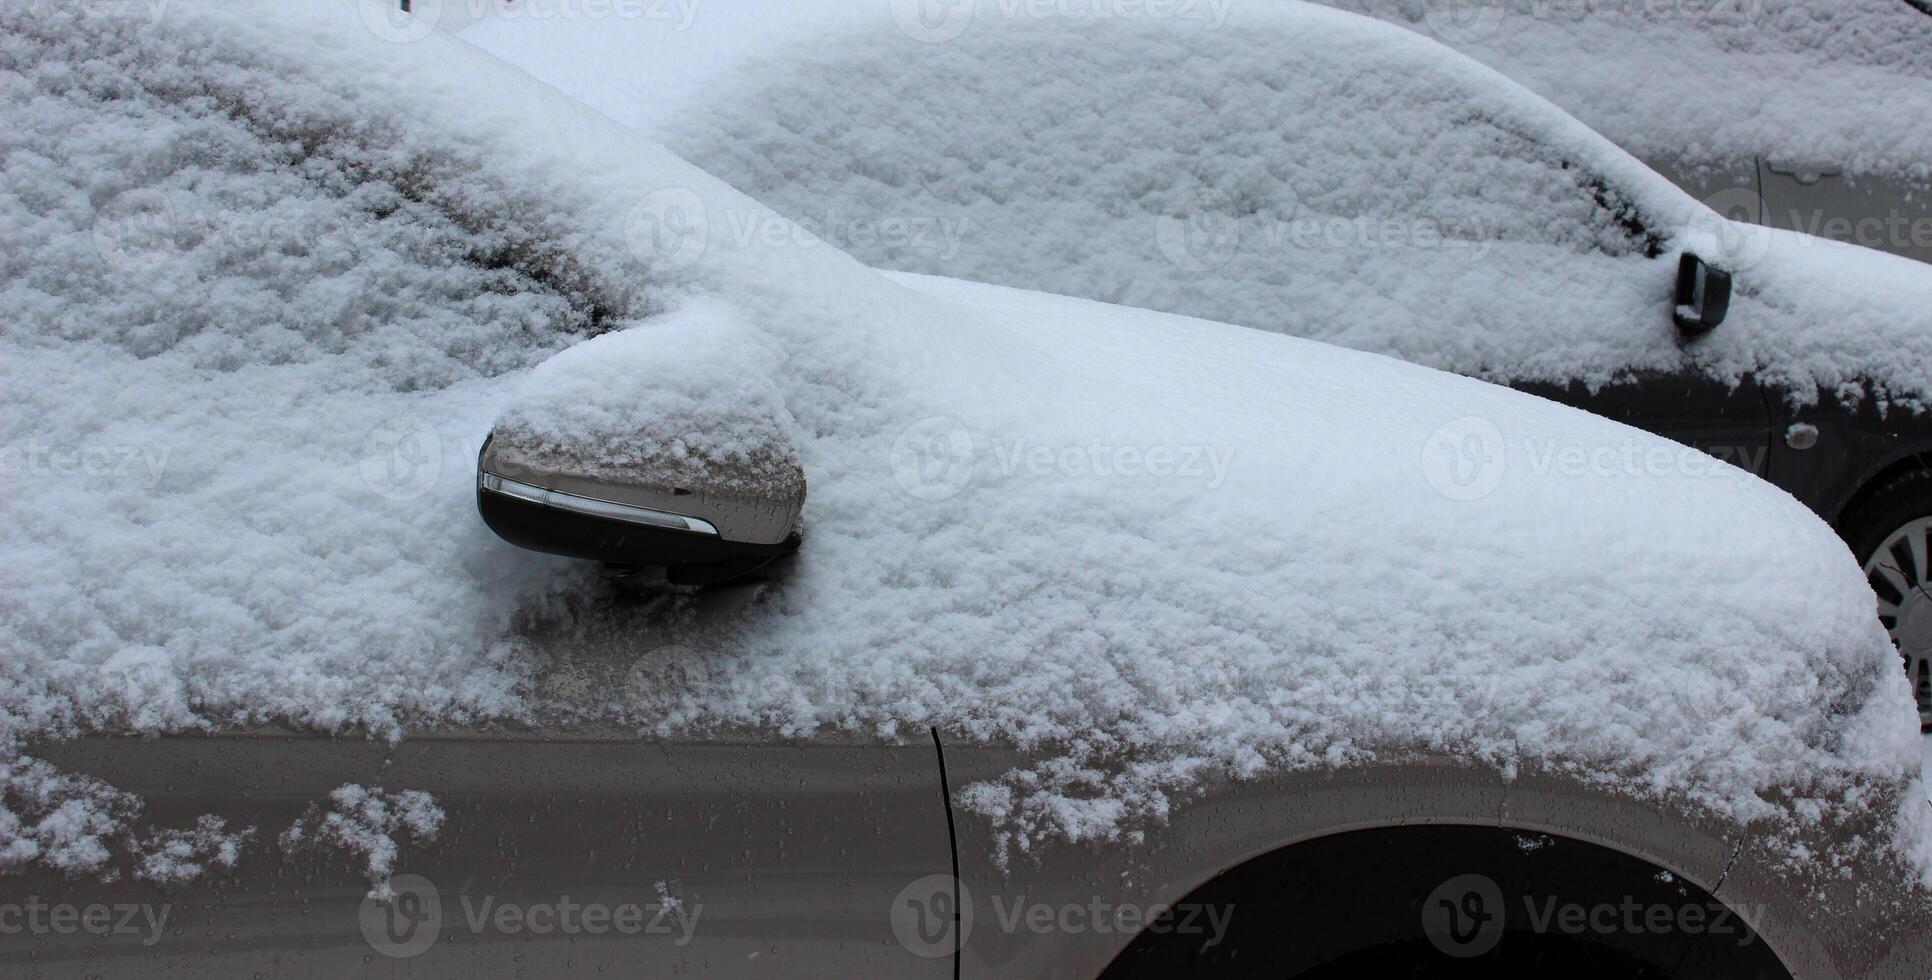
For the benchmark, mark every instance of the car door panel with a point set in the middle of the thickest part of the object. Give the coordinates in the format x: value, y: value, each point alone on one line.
x: 1729, y: 422
x: 1826, y: 451
x: 1891, y: 214
x: 556, y: 857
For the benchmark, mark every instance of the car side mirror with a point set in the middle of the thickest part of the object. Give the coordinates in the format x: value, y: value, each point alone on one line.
x: 1703, y: 296
x: 699, y: 524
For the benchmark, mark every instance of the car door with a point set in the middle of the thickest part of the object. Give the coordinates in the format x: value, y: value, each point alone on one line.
x: 558, y: 854
x: 1729, y: 422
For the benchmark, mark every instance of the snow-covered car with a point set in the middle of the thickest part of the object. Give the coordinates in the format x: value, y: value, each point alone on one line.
x: 1321, y: 174
x: 1159, y: 644
x: 1795, y: 114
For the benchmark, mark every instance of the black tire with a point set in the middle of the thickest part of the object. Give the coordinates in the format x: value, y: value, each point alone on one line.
x: 1872, y: 523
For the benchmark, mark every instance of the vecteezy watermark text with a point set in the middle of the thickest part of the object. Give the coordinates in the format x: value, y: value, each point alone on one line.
x: 409, y: 918
x: 933, y: 916
x: 1101, y: 917
x: 33, y: 458
x: 936, y: 458
x: 1467, y: 459
x: 37, y: 917
x: 1467, y: 916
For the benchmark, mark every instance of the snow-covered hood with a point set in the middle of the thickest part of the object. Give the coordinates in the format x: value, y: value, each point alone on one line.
x: 1153, y: 551
x: 1816, y: 317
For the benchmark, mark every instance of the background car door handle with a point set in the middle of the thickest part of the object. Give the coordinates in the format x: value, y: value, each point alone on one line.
x: 1804, y: 172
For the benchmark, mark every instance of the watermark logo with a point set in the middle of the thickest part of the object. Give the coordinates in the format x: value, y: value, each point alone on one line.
x: 1464, y: 916
x: 402, y: 458
x: 1197, y: 230
x: 932, y: 916
x: 933, y: 21
x: 1207, y: 464
x: 1467, y: 916
x: 1735, y: 224
x: 136, y: 231
x: 933, y: 458
x: 668, y: 230
x: 412, y: 915
x: 669, y: 667
x: 1465, y: 458
x: 400, y: 22
x: 404, y: 922
x: 1464, y: 21
x: 1104, y: 917
x: 1203, y: 229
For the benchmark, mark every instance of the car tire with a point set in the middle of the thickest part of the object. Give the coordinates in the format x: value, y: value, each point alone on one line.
x: 1891, y: 535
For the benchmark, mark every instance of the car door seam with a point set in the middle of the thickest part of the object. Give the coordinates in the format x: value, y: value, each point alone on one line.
x: 952, y: 849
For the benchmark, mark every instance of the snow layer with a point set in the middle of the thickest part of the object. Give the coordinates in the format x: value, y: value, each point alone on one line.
x: 78, y: 825
x: 175, y: 856
x: 1713, y: 81
x: 1702, y: 81
x: 703, y: 379
x: 364, y: 822
x: 1292, y: 169
x: 1155, y: 551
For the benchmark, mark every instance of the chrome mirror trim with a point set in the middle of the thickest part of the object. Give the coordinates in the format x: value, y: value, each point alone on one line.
x: 591, y: 506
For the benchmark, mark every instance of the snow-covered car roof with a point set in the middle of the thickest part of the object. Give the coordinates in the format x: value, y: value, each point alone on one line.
x: 1844, y: 81
x: 274, y: 272
x: 1293, y: 168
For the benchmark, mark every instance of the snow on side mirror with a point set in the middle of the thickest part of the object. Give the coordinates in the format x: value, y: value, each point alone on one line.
x: 1703, y: 296
x: 665, y: 445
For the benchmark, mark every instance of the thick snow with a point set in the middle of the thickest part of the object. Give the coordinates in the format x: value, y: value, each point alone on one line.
x: 1702, y: 81
x: 1155, y: 551
x: 1291, y: 168
x: 700, y: 373
x: 1713, y: 81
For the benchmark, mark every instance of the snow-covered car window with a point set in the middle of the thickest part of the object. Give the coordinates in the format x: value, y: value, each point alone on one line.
x: 1365, y: 187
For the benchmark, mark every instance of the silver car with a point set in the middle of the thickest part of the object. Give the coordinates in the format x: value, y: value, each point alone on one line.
x: 1608, y: 779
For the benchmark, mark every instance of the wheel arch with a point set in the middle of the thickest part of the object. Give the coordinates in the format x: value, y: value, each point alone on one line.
x: 1870, y: 485
x: 1819, y: 929
x: 1329, y: 911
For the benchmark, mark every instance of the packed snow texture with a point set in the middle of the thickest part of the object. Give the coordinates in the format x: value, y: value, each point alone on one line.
x: 700, y: 375
x: 1713, y: 81
x: 1153, y: 551
x: 255, y: 315
x: 1299, y: 171
x: 365, y: 822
